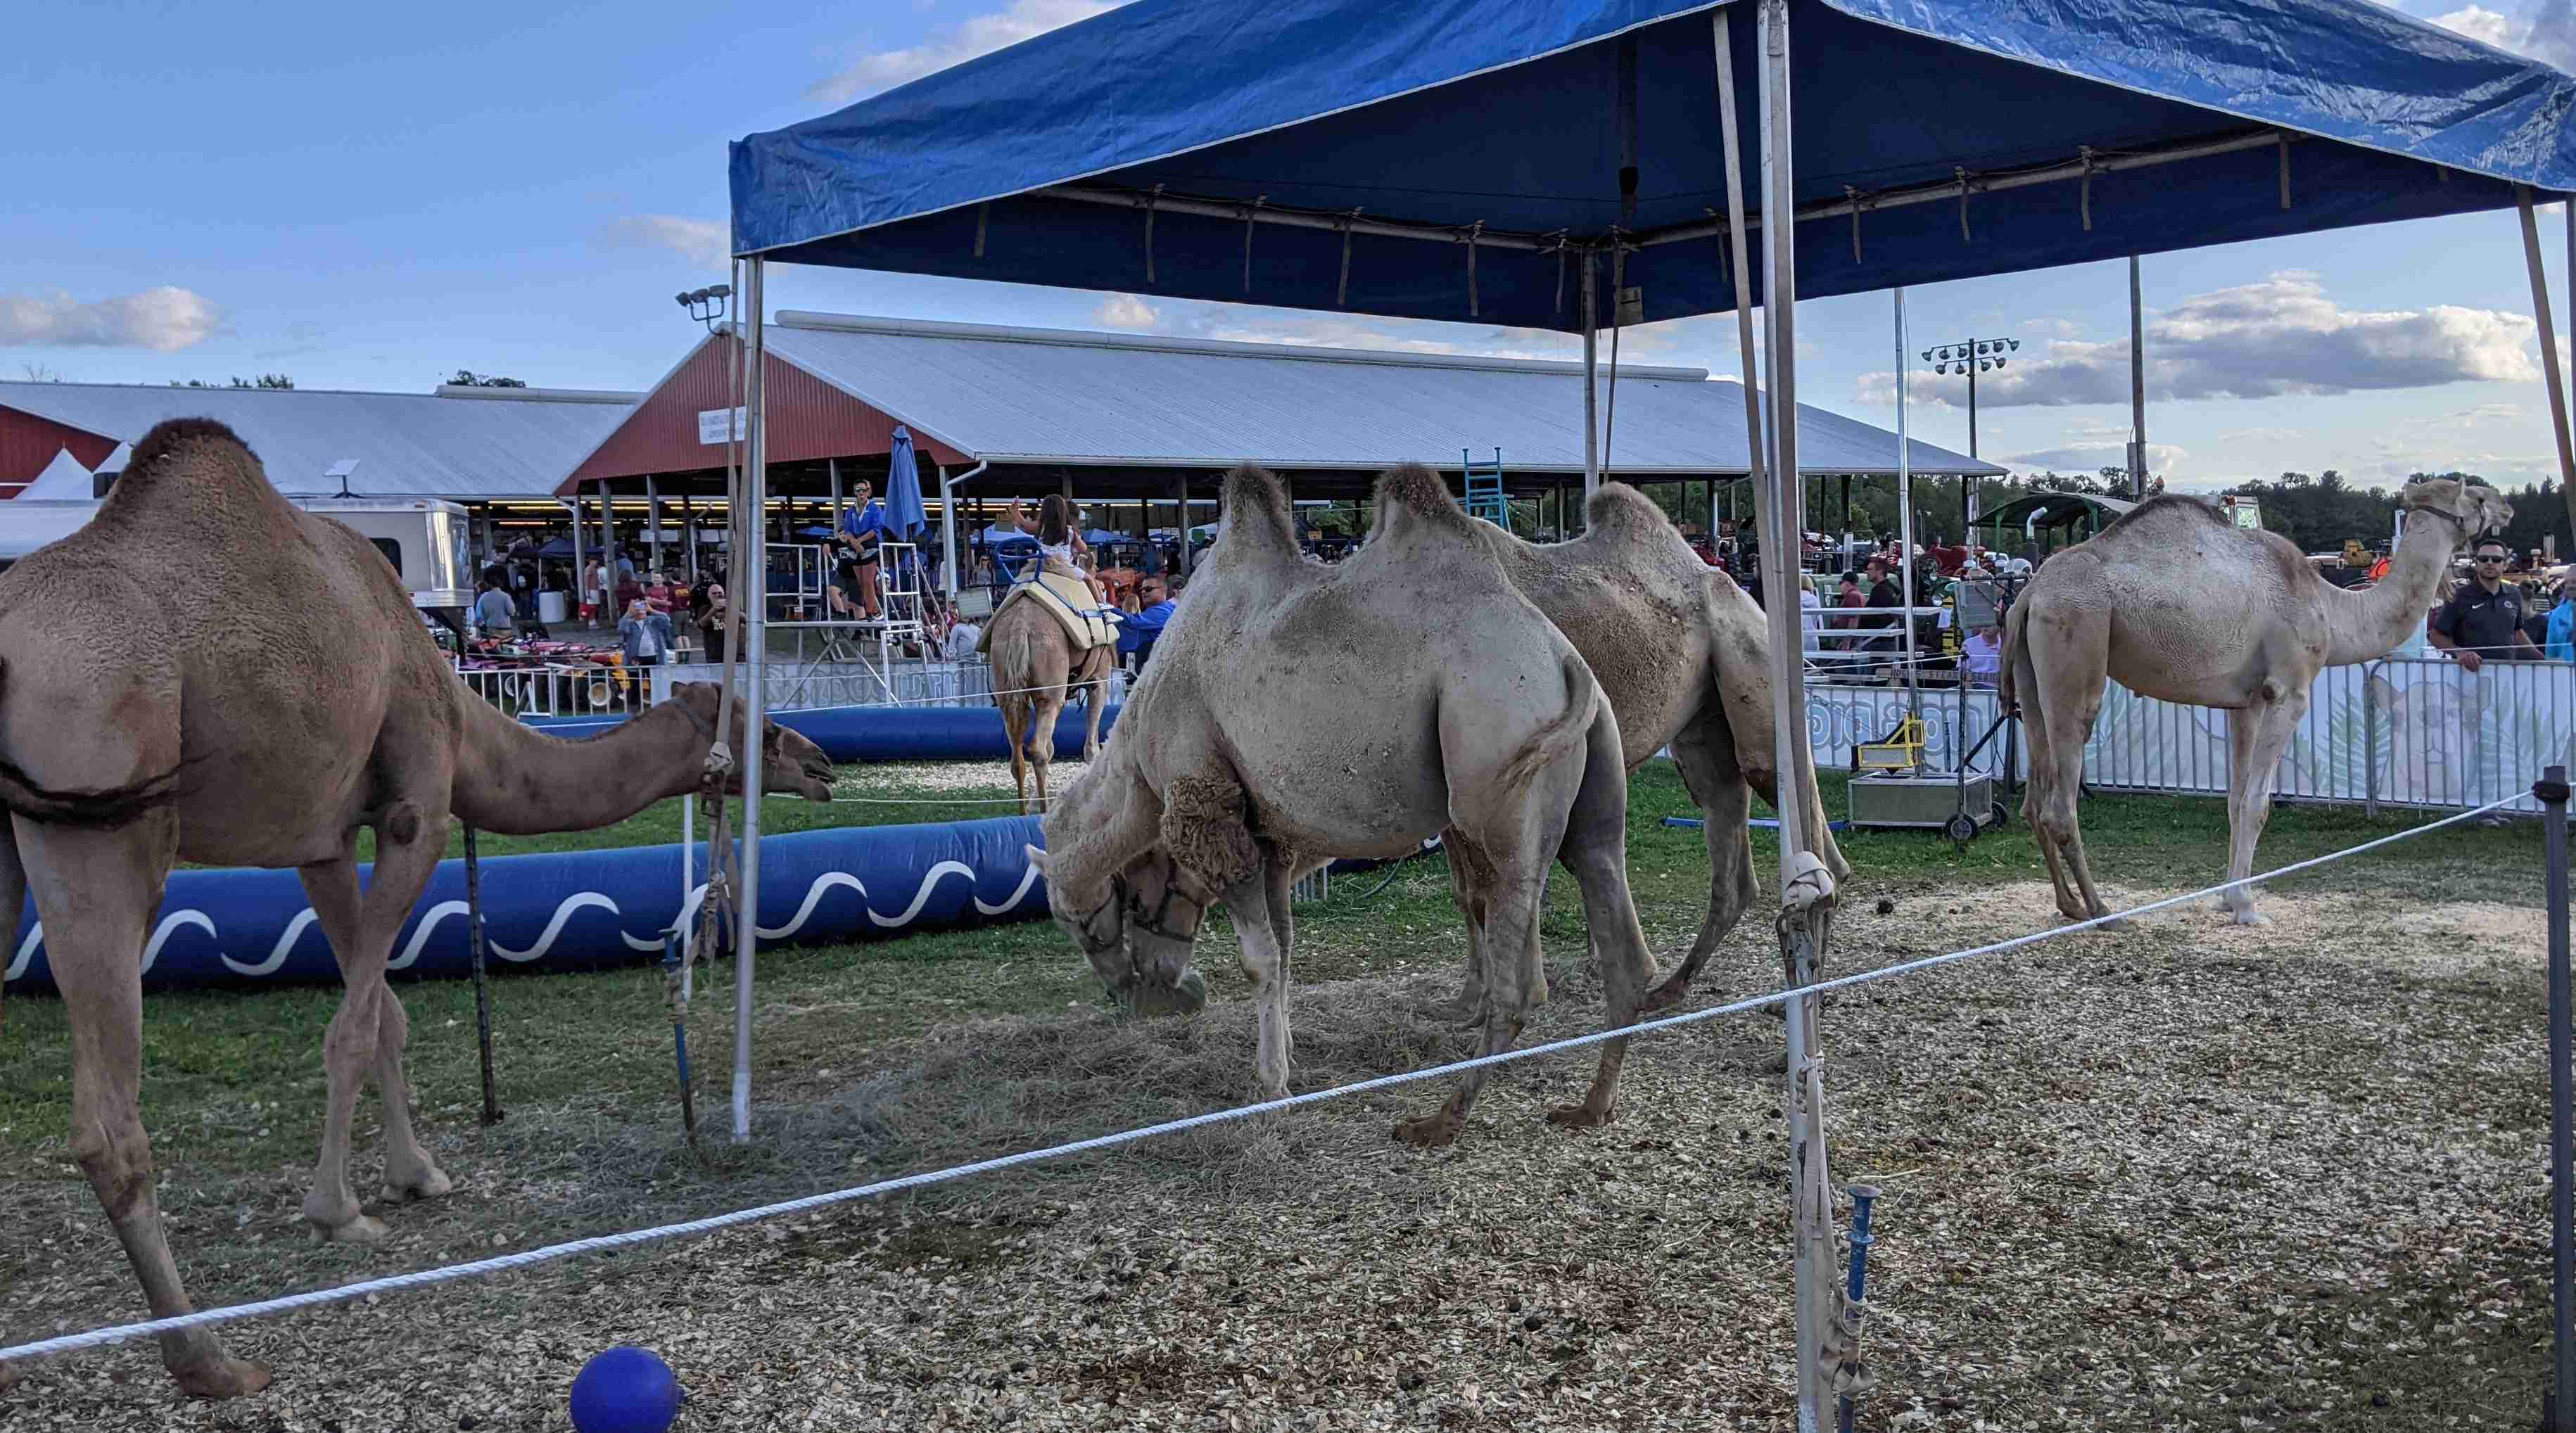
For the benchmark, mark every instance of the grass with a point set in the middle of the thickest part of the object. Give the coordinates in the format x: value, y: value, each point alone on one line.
x: 882, y: 1056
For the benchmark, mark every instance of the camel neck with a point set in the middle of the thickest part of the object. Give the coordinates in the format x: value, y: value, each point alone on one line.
x: 1097, y: 826
x: 2369, y: 624
x: 514, y: 780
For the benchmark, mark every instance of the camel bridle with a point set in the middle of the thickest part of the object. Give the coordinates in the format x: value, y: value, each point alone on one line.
x: 1158, y: 922
x: 719, y: 757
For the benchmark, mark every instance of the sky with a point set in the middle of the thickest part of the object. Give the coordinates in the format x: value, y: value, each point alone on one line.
x: 360, y: 200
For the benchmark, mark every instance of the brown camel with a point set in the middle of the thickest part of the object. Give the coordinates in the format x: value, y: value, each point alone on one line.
x: 2175, y: 602
x: 1306, y: 711
x: 206, y: 673
x: 1035, y: 671
x: 1682, y: 657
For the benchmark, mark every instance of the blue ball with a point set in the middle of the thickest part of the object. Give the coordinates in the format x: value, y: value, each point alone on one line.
x: 625, y: 1390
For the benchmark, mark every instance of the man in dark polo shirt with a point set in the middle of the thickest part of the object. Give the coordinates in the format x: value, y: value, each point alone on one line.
x: 2485, y: 613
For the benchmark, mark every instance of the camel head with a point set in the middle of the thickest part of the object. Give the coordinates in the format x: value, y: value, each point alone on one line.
x: 788, y: 760
x: 2473, y: 508
x: 1138, y: 932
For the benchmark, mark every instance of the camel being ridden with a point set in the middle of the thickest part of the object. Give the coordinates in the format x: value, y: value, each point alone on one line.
x: 1306, y: 711
x: 2175, y: 602
x: 1036, y: 670
x: 1682, y: 656
x: 205, y: 673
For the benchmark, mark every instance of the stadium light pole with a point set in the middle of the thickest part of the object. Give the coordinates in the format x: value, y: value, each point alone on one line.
x: 1971, y: 357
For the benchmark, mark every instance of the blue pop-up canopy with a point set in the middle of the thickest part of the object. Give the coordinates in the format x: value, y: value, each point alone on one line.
x: 1128, y: 152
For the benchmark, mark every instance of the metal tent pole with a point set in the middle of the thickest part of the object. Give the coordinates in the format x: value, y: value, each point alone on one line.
x: 2137, y: 386
x: 1905, y: 529
x: 653, y: 521
x: 577, y: 579
x: 2549, y: 369
x: 2559, y: 1402
x: 1807, y: 895
x: 1591, y: 390
x: 753, y: 580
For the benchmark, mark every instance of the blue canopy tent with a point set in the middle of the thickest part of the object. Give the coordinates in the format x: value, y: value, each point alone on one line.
x: 1496, y: 160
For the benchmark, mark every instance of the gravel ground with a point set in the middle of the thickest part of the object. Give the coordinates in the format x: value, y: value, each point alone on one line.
x: 2188, y: 1176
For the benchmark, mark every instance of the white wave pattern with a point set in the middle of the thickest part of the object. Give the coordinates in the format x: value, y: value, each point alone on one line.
x: 571, y: 905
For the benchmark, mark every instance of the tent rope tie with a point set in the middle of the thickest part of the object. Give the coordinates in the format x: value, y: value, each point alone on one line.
x: 1964, y: 236
x: 1342, y: 293
x: 2084, y: 189
x: 983, y: 213
x: 1852, y: 1373
x: 2285, y: 171
x: 451, y: 1273
x: 1723, y: 232
x: 1251, y: 218
x: 1152, y: 199
x: 1560, y: 271
x: 1858, y: 202
x: 1475, y: 231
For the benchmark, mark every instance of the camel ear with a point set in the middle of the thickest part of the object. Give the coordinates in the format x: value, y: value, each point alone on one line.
x: 1037, y: 858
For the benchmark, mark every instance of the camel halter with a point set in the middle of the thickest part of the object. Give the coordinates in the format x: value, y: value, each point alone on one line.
x: 2454, y: 519
x: 719, y: 756
x: 1158, y: 923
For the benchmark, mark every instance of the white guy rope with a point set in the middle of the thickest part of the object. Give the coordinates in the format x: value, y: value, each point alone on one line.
x: 451, y: 1273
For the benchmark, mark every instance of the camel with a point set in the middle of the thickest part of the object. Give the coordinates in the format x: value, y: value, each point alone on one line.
x: 1035, y: 672
x: 206, y: 673
x: 1306, y: 711
x: 1681, y: 654
x: 2175, y: 602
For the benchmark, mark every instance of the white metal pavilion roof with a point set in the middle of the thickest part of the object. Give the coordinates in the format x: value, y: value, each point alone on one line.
x: 1023, y: 395
x: 455, y: 443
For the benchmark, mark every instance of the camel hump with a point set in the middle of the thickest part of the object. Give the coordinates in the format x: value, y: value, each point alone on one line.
x: 1413, y: 497
x: 1256, y: 511
x: 199, y: 454
x: 1618, y: 507
x: 2155, y: 509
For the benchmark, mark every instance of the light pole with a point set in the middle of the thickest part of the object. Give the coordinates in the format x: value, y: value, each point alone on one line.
x: 1971, y: 357
x: 709, y: 306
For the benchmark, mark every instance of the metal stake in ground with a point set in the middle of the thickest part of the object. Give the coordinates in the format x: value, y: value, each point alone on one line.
x: 492, y: 1112
x: 2558, y: 1405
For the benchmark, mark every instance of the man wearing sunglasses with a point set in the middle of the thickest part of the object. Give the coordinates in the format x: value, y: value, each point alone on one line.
x: 2483, y: 620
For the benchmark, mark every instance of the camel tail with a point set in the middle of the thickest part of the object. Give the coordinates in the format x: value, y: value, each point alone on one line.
x: 2006, y: 689
x: 1015, y: 652
x: 1571, y: 727
x: 96, y: 807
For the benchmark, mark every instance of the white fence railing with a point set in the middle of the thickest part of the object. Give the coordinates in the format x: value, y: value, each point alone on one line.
x: 2401, y: 731
x: 583, y: 689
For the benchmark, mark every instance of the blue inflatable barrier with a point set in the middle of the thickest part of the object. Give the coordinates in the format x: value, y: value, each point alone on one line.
x: 894, y: 733
x: 572, y: 910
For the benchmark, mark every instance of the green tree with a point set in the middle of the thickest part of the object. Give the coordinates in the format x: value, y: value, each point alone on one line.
x: 468, y: 378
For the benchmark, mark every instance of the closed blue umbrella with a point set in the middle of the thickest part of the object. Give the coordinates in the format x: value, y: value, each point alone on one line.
x: 904, y: 514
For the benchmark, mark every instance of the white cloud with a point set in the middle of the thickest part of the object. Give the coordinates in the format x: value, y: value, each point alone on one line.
x: 703, y: 242
x: 1126, y: 311
x: 164, y: 319
x: 2263, y: 340
x: 2545, y: 31
x: 976, y: 35
x: 2164, y: 460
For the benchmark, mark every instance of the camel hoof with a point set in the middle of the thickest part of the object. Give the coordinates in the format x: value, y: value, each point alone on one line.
x: 1432, y: 1131
x: 10, y: 1373
x: 1582, y: 1116
x: 1664, y: 997
x: 361, y: 1229
x: 2249, y: 916
x: 431, y: 1185
x: 222, y: 1378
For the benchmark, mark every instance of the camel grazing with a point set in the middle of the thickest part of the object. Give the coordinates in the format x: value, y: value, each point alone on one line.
x: 1682, y: 657
x: 1035, y: 672
x: 206, y: 673
x: 1306, y: 711
x: 2175, y: 602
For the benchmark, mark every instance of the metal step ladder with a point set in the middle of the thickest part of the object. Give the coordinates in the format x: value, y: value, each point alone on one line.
x: 1485, y: 497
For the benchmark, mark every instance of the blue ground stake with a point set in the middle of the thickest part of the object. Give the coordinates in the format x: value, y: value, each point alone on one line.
x: 1858, y: 1288
x: 671, y: 947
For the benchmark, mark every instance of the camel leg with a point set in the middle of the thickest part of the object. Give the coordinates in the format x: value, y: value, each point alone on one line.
x: 1044, y: 711
x: 1705, y: 751
x: 410, y: 1174
x: 1515, y: 977
x: 1468, y: 1005
x: 1015, y: 732
x: 1264, y: 933
x: 1094, y: 696
x: 98, y: 891
x: 2059, y: 672
x: 2255, y: 740
x: 1596, y: 851
x: 408, y: 845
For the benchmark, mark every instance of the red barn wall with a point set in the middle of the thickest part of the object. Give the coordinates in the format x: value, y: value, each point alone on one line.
x: 28, y: 443
x: 808, y: 419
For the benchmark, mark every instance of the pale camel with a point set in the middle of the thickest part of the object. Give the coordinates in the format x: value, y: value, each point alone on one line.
x: 1682, y: 655
x: 2175, y: 602
x: 206, y: 673
x: 1035, y: 672
x: 1302, y: 711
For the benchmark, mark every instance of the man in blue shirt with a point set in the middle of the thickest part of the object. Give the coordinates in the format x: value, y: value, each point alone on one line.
x: 1138, y: 631
x: 862, y: 528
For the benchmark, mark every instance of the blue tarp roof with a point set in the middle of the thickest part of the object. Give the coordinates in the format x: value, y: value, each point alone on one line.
x: 1452, y: 113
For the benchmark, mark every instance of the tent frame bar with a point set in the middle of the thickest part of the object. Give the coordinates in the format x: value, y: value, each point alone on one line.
x: 1937, y: 192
